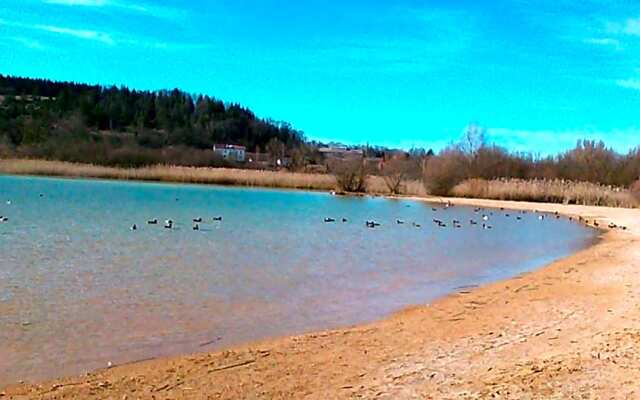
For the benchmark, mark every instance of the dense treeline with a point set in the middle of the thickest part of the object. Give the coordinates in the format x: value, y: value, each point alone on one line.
x: 473, y: 159
x: 43, y: 115
x: 589, y: 161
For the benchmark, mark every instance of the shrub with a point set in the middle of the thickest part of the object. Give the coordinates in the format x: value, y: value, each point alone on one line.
x: 350, y: 175
x: 444, y: 171
x: 395, y: 172
x: 635, y: 190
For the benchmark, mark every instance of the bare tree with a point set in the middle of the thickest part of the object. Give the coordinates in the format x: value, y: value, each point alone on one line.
x: 635, y: 190
x: 473, y: 140
x: 276, y: 149
x: 351, y: 175
x: 297, y: 159
x: 395, y: 172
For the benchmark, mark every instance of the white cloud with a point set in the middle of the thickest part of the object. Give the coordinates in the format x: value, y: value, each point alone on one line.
x: 151, y: 10
x: 631, y: 83
x: 29, y: 43
x: 609, y: 42
x: 110, y: 39
x: 87, y: 3
x: 78, y: 33
x: 84, y: 34
x: 538, y: 142
x: 630, y: 26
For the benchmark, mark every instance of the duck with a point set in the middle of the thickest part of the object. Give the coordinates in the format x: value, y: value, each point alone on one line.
x: 345, y: 220
x: 196, y: 227
x: 485, y: 226
x: 540, y: 217
x: 472, y: 222
x: 328, y: 219
x: 485, y: 217
x: 399, y: 221
x: 217, y: 218
x: 372, y: 224
x: 134, y: 227
x: 168, y: 224
x: 4, y: 219
x: 199, y: 219
x: 416, y: 225
x: 153, y: 221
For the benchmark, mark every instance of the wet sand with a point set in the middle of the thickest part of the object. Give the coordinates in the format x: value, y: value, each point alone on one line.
x: 569, y: 330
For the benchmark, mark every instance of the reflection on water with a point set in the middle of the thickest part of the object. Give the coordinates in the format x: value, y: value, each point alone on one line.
x: 79, y: 288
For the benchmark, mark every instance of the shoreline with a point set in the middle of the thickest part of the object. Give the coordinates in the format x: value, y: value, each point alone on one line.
x: 423, y: 349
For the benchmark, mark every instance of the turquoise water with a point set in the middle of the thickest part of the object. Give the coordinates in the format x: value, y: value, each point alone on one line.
x: 79, y: 288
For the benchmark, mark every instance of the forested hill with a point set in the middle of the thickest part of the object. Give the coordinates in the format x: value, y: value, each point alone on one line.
x: 39, y: 113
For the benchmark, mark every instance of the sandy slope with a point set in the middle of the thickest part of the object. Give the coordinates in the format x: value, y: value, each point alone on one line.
x: 570, y: 330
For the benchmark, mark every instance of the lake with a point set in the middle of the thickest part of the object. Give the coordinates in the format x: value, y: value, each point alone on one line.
x: 79, y: 288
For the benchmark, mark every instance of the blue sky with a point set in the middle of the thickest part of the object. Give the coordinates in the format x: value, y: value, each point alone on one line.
x: 539, y: 75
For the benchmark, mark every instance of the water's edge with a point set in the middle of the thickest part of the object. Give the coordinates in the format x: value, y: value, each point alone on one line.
x: 596, y: 240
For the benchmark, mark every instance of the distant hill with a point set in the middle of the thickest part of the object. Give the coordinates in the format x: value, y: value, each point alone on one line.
x: 41, y: 115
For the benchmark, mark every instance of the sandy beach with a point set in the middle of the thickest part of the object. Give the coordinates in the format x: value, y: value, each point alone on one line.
x: 568, y: 330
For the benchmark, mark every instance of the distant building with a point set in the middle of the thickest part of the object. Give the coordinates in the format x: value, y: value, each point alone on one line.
x: 230, y: 152
x: 340, y: 152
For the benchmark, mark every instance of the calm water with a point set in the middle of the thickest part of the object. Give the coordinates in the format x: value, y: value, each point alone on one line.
x: 78, y: 288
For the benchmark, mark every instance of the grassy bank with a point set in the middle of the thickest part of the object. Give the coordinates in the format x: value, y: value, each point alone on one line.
x: 546, y: 191
x: 220, y: 176
x: 165, y: 173
x: 549, y: 191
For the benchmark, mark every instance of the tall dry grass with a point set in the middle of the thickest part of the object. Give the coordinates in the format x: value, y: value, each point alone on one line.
x: 549, y: 191
x: 412, y: 187
x: 556, y: 191
x: 167, y: 173
x: 220, y: 176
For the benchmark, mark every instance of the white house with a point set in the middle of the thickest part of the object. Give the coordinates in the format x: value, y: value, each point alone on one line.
x: 230, y: 152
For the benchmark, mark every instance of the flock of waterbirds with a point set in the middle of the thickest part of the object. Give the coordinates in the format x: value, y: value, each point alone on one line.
x: 170, y: 224
x: 454, y: 223
x: 483, y: 221
x: 484, y: 216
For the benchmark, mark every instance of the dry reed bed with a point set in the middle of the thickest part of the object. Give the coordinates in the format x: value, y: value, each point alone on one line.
x: 548, y: 191
x: 377, y: 185
x: 552, y: 191
x: 221, y: 176
x: 167, y: 173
